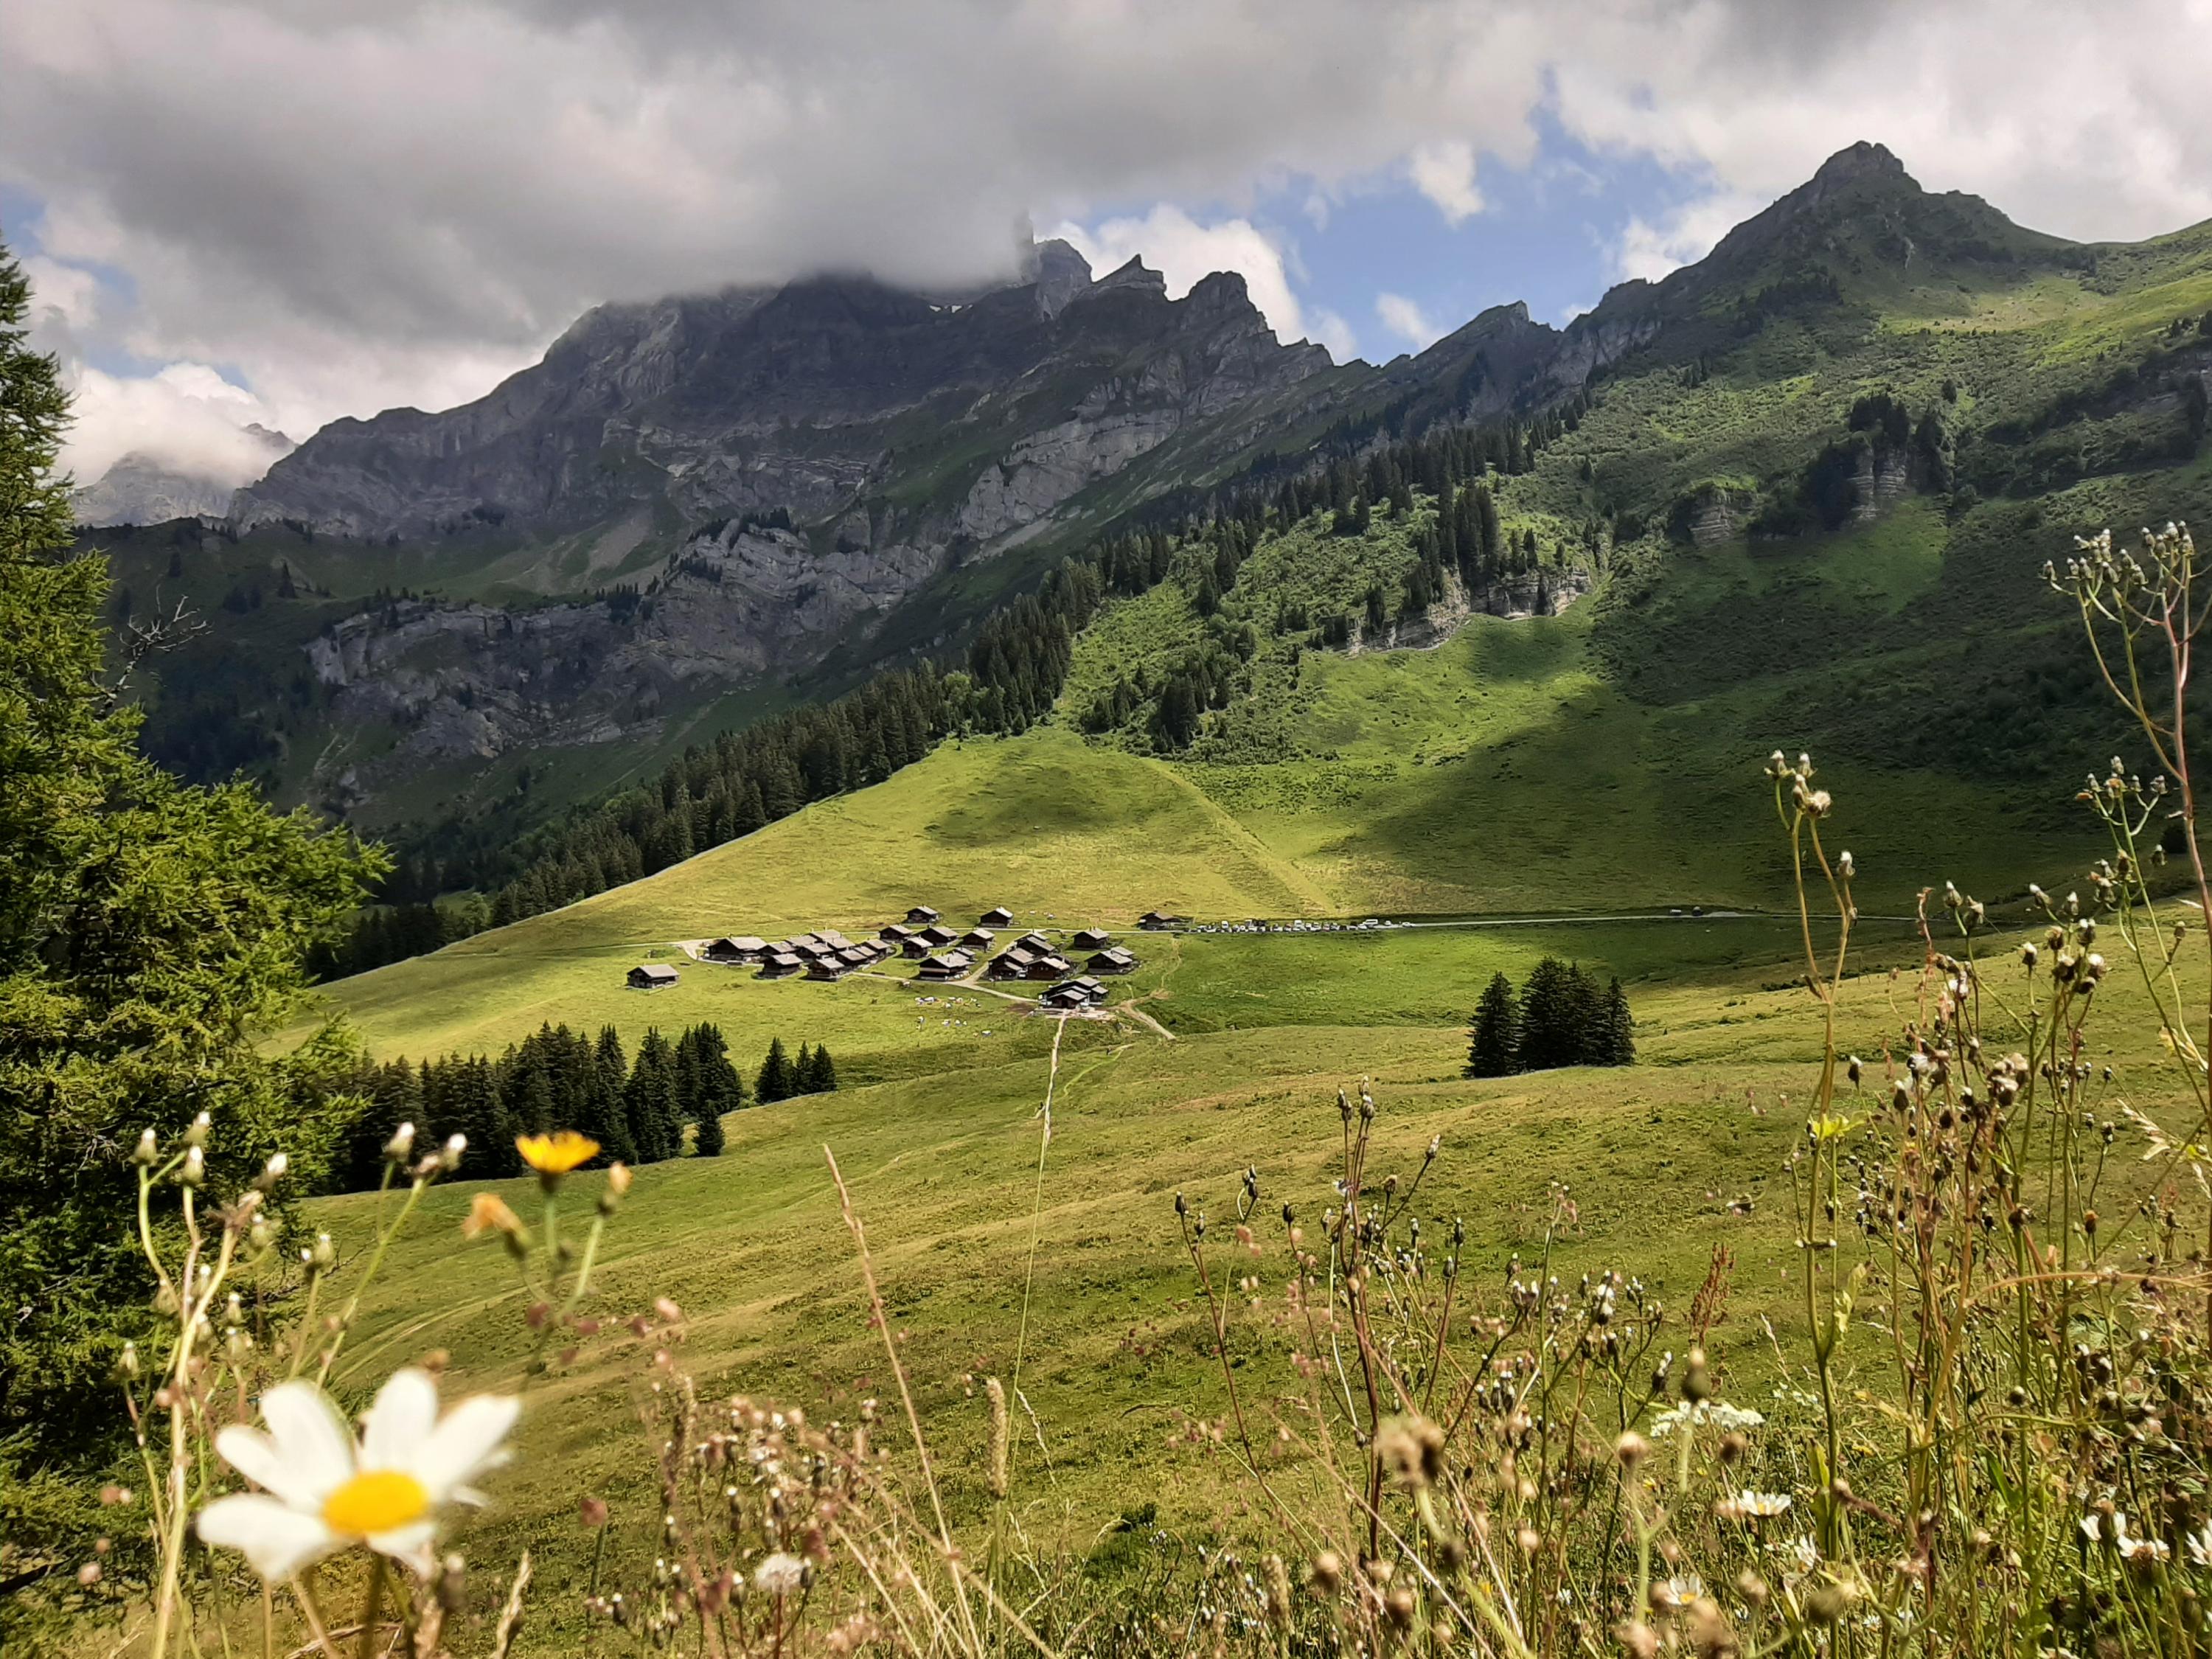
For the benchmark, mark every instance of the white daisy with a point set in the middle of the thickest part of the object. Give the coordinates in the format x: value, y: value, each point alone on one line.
x: 324, y: 1493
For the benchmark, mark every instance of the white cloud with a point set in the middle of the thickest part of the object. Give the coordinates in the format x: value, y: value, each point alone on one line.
x: 185, y: 417
x: 1404, y: 318
x: 1183, y: 251
x: 1444, y: 172
x: 1682, y: 237
x: 359, y: 202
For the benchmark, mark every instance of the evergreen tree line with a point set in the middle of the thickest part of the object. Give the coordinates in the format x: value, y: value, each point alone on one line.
x: 1559, y: 1017
x: 637, y: 1109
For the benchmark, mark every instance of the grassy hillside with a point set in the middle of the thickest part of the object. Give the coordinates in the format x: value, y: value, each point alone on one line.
x: 1101, y: 1332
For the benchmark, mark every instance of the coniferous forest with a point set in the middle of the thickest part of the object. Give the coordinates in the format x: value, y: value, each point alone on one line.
x: 638, y: 1108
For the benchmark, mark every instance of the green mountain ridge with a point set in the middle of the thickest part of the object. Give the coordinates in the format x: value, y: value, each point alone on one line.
x: 1959, y: 393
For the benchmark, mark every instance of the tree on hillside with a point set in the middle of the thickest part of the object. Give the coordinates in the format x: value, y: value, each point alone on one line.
x: 610, y: 1114
x: 708, y: 1083
x: 775, y: 1081
x: 1494, y: 1038
x: 150, y: 934
x: 1551, y: 1020
x: 1618, y: 1044
x: 817, y: 1072
x: 656, y: 1123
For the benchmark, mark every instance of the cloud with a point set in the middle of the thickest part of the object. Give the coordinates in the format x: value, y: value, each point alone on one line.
x: 1325, y: 328
x: 1681, y: 237
x: 354, y: 203
x: 1183, y: 251
x: 185, y: 417
x: 1405, y: 320
x: 1444, y: 172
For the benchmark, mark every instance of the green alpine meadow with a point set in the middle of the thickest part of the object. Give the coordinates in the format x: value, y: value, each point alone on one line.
x: 886, y: 963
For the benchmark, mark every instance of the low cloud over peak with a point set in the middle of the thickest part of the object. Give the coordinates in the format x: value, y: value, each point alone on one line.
x: 357, y: 205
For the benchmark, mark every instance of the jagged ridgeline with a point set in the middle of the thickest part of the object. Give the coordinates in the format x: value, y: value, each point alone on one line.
x: 1806, y: 484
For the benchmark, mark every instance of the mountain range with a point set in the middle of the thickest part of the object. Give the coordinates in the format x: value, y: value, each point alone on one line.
x: 695, y: 511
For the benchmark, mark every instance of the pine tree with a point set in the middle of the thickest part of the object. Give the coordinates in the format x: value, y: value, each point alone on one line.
x: 655, y: 1115
x: 825, y: 1071
x: 1620, y: 1046
x: 610, y: 1115
x: 1551, y: 1019
x: 1494, y: 1038
x: 776, y: 1081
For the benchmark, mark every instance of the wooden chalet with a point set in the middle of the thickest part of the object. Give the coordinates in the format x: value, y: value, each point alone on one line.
x: 1152, y: 921
x: 951, y: 965
x: 736, y: 947
x: 920, y: 916
x: 978, y: 938
x: 997, y: 916
x: 1114, y: 961
x: 937, y: 937
x: 896, y: 932
x: 1011, y: 964
x: 1074, y: 994
x: 1034, y: 943
x: 1048, y: 966
x: 1091, y: 939
x: 782, y: 964
x: 914, y: 947
x: 652, y: 976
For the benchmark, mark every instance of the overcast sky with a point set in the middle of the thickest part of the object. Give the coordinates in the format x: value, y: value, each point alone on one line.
x: 286, y: 210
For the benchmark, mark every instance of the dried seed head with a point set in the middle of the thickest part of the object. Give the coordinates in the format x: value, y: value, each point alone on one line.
x: 1632, y: 1449
x: 401, y: 1146
x: 147, y: 1150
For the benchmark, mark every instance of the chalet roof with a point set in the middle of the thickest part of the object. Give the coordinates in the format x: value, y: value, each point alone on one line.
x: 934, y: 935
x: 654, y: 973
x: 893, y: 930
x: 980, y: 936
x: 997, y: 916
x: 788, y: 960
x: 922, y: 913
x: 949, y: 961
x: 737, y: 942
x: 1033, y: 941
x: 1091, y: 939
x: 853, y: 957
x: 1114, y: 957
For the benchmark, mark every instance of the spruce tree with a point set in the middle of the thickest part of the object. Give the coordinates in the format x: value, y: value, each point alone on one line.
x: 826, y: 1070
x: 655, y: 1115
x: 1620, y: 1047
x: 1551, y: 1018
x: 1493, y: 1039
x: 775, y: 1081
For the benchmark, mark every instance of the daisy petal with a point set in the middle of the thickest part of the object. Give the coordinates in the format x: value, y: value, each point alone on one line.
x: 405, y: 1412
x: 409, y: 1544
x: 310, y: 1437
x: 276, y: 1539
x: 257, y: 1457
x: 466, y: 1441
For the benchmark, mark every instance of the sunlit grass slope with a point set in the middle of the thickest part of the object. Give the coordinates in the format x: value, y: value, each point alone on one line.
x: 1655, y: 1166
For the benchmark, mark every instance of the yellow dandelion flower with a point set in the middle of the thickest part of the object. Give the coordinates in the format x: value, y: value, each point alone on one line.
x: 557, y: 1154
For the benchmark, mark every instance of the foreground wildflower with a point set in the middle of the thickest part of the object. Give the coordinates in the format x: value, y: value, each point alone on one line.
x: 555, y: 1155
x: 780, y: 1575
x: 1748, y: 1505
x: 324, y: 1493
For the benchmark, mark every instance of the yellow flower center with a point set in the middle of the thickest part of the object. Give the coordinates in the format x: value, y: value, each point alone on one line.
x: 375, y: 1501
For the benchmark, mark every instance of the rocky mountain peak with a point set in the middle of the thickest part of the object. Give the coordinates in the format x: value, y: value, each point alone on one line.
x: 1136, y: 274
